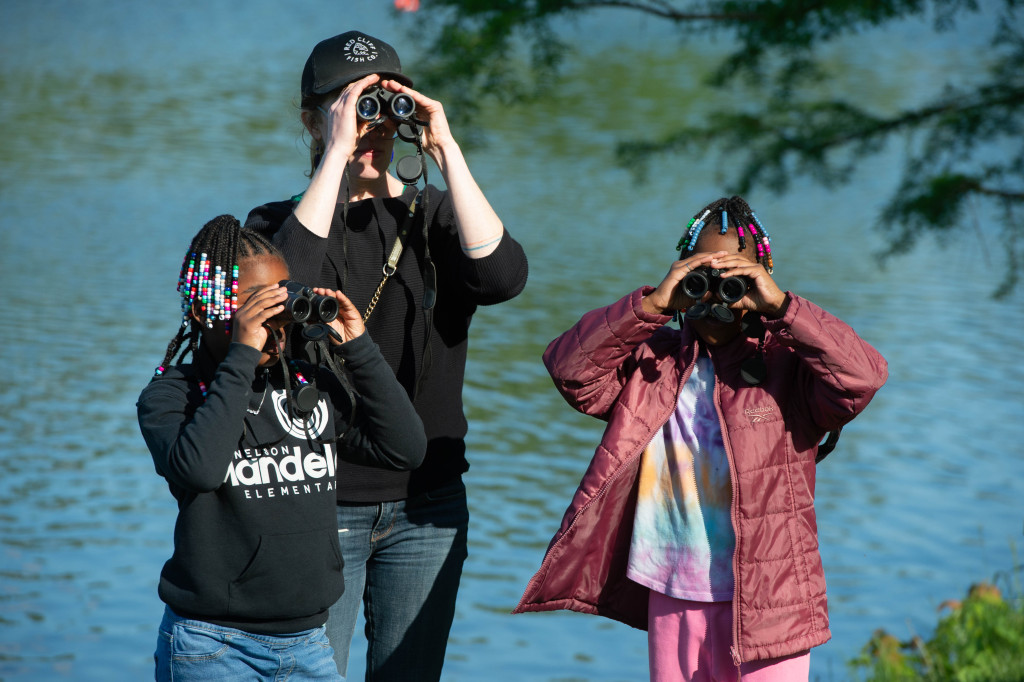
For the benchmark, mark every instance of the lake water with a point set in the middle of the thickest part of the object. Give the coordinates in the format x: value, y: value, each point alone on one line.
x: 126, y: 127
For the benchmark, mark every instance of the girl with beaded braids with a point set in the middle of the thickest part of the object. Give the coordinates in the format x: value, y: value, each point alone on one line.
x: 695, y: 519
x: 256, y: 562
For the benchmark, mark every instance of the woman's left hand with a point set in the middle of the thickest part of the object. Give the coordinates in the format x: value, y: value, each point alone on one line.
x: 436, y: 134
x: 348, y: 323
x: 763, y: 294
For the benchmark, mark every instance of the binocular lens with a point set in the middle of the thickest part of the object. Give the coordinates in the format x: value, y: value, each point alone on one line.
x: 368, y: 107
x: 732, y: 289
x: 297, y: 307
x: 302, y: 305
x: 326, y: 308
x: 371, y: 103
x: 402, y: 106
x: 696, y: 284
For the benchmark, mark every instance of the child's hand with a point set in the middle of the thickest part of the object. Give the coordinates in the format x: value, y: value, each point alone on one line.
x: 763, y: 294
x: 349, y: 323
x: 249, y: 323
x: 668, y: 297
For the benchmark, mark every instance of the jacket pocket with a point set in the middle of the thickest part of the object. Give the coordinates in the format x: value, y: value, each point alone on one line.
x: 289, y: 576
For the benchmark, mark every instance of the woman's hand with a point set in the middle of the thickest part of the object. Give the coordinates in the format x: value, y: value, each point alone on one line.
x: 436, y: 134
x: 341, y: 128
x: 763, y: 294
x: 668, y: 297
x: 250, y: 323
x: 348, y: 323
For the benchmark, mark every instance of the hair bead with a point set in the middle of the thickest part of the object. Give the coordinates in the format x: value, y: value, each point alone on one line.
x: 694, y: 232
x: 203, y: 283
x: 764, y: 232
x: 759, y: 239
x: 686, y: 234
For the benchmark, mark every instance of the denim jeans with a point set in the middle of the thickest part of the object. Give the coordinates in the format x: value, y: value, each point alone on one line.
x: 197, y: 651
x: 403, y: 562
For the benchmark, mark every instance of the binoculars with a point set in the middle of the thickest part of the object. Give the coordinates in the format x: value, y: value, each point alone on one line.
x: 303, y: 306
x: 376, y: 102
x: 701, y: 280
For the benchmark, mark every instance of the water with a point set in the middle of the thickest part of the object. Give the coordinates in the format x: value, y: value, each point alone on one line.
x: 126, y: 127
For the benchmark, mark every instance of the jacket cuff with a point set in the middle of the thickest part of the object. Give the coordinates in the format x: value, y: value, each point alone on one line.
x: 637, y: 302
x: 356, y: 351
x: 796, y: 323
x: 242, y: 357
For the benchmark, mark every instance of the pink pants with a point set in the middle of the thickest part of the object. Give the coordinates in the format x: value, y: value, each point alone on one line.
x: 689, y: 641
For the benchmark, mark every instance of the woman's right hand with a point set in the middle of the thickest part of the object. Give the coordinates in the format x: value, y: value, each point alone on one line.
x: 341, y: 126
x: 668, y: 297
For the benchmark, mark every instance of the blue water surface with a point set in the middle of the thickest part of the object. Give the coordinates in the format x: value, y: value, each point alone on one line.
x: 128, y: 125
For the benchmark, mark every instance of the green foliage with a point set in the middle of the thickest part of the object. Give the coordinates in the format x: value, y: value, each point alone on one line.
x: 980, y: 640
x: 964, y: 149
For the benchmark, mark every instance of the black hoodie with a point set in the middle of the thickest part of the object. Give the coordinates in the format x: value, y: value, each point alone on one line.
x: 255, y: 542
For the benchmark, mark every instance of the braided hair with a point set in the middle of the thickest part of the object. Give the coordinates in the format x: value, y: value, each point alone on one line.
x: 208, y: 279
x: 722, y: 214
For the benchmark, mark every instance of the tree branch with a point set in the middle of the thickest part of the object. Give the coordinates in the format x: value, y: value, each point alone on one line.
x: 664, y: 11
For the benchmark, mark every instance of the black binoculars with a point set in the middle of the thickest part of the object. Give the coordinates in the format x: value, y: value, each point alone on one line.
x: 701, y: 280
x: 304, y: 306
x: 376, y: 102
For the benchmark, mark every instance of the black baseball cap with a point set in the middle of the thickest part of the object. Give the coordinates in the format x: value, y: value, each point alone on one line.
x: 347, y: 57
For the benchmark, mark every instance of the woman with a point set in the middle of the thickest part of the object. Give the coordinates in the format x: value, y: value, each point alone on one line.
x: 403, y: 535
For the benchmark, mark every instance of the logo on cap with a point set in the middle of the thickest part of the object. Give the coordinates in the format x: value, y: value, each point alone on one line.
x: 359, y: 50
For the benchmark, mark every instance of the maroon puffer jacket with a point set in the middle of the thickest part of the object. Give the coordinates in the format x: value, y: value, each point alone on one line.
x: 625, y: 366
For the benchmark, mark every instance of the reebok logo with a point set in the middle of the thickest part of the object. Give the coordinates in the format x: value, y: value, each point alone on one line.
x: 759, y: 415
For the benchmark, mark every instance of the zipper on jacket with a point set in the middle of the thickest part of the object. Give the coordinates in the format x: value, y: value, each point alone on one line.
x: 734, y: 650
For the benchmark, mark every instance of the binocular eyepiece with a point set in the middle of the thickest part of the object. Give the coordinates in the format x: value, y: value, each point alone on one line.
x: 304, y: 306
x: 376, y: 102
x: 701, y: 280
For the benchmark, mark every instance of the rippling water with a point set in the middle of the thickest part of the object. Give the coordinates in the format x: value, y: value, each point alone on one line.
x: 124, y: 131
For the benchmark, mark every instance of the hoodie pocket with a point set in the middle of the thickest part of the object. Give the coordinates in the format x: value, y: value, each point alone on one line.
x: 289, y: 576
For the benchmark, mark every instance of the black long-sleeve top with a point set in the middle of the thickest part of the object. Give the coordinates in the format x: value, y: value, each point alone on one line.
x: 255, y: 541
x: 351, y: 259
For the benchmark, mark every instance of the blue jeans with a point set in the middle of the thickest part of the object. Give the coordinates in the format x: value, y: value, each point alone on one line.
x: 403, y: 562
x: 197, y: 651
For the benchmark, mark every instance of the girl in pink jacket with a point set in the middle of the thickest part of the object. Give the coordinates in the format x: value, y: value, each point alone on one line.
x: 695, y: 519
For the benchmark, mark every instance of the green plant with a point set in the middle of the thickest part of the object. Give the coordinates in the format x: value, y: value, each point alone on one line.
x: 981, y: 639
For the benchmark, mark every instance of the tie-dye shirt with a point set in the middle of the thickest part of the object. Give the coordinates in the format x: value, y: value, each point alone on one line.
x: 683, y: 539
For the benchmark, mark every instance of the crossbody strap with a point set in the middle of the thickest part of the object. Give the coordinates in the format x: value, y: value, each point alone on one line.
x: 391, y: 266
x: 429, y: 280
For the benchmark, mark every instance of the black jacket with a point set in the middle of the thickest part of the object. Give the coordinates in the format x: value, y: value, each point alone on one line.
x: 351, y: 259
x: 255, y: 541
